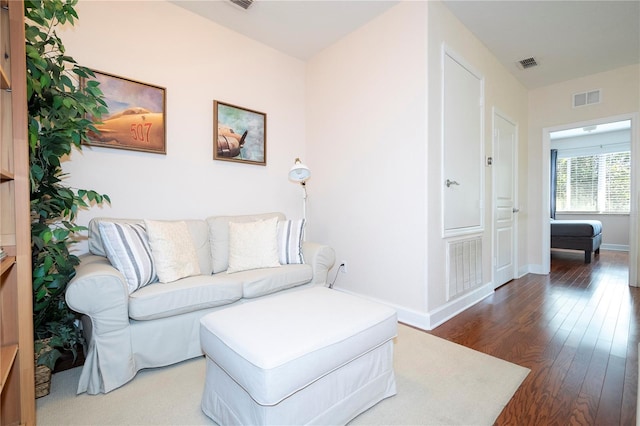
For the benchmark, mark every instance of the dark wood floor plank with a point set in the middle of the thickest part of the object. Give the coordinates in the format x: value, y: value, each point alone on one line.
x: 567, y: 395
x: 577, y: 329
x: 554, y: 377
x: 585, y: 406
x: 610, y: 402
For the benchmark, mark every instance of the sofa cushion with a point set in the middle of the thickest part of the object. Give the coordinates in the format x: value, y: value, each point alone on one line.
x: 173, y: 251
x: 128, y: 250
x: 219, y: 236
x: 199, y: 230
x: 253, y: 245
x: 182, y: 296
x: 290, y: 233
x: 259, y: 282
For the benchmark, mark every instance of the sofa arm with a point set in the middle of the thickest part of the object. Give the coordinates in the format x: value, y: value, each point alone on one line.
x: 321, y: 258
x: 99, y: 291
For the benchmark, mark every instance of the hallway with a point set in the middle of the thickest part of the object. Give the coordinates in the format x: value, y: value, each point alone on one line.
x: 576, y: 329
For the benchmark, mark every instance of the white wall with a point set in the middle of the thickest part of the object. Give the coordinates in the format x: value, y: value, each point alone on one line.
x: 197, y: 61
x: 373, y: 120
x: 550, y: 107
x: 502, y: 91
x: 366, y: 122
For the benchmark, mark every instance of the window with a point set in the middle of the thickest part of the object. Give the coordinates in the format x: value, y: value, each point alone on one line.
x: 594, y: 183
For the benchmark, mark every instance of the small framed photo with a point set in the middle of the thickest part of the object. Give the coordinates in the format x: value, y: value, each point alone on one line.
x: 239, y: 134
x: 136, y: 118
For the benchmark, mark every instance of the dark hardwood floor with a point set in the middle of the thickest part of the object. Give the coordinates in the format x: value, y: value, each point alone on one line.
x: 576, y: 329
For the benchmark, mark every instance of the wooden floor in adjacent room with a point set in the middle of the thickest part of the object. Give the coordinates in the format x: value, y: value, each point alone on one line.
x: 577, y: 329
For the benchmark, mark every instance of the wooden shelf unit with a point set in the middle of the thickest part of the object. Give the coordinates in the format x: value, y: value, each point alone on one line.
x: 7, y: 358
x: 7, y: 263
x: 17, y: 388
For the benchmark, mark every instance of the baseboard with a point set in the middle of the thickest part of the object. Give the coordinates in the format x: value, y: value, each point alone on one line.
x: 430, y: 320
x: 523, y: 270
x: 421, y: 320
x: 615, y: 247
x: 531, y: 269
x: 537, y: 269
x: 452, y: 308
x: 407, y: 316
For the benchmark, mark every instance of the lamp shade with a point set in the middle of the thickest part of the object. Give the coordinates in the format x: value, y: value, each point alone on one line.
x: 299, y: 172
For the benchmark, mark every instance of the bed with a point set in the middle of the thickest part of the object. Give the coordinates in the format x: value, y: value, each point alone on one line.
x: 585, y: 235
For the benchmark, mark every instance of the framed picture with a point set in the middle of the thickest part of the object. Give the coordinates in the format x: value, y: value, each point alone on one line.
x: 239, y: 134
x: 136, y: 118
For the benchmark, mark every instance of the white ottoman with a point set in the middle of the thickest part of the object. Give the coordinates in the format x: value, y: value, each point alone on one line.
x: 314, y: 356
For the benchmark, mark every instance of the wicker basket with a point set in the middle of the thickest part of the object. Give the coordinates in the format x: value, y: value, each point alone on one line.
x: 43, y: 380
x: 43, y: 373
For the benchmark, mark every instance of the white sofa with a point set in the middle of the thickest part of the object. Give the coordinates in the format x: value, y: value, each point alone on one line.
x: 158, y: 324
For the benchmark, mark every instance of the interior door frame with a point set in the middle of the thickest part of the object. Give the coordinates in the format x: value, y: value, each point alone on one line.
x: 497, y: 112
x: 635, y: 186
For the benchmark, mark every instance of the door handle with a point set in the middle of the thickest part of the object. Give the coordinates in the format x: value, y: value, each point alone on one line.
x: 516, y: 210
x: 450, y: 182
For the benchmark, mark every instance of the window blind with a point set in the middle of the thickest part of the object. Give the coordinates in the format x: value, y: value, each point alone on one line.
x: 594, y: 183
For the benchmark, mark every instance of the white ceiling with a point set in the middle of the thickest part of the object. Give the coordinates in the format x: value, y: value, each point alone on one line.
x: 568, y: 39
x: 300, y: 28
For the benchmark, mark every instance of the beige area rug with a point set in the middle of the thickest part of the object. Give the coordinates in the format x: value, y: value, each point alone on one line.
x: 438, y: 383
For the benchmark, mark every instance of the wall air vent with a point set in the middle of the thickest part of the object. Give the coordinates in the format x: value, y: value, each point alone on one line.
x: 528, y: 63
x: 245, y: 4
x: 586, y: 98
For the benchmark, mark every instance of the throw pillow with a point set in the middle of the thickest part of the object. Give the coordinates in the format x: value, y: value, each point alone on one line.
x: 219, y: 236
x: 253, y: 245
x: 172, y: 249
x: 290, y: 233
x: 127, y: 248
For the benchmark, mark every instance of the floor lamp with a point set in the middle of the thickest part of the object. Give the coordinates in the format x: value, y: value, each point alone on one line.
x: 299, y: 173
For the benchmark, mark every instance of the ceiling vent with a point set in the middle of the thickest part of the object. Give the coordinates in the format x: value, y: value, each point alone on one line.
x: 244, y: 4
x: 586, y: 98
x: 528, y: 63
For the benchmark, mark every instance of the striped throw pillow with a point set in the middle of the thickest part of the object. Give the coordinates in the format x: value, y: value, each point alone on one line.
x: 127, y: 248
x: 290, y: 234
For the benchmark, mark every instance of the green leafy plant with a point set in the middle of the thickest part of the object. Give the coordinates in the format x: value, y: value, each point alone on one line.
x: 58, y: 108
x: 63, y: 335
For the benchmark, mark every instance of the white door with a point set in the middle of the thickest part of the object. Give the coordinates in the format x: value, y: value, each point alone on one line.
x: 505, y: 207
x: 462, y: 180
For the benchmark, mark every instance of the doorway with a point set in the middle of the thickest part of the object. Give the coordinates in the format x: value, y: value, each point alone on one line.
x: 585, y: 128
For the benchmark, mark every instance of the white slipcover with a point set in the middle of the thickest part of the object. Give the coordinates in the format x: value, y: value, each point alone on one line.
x: 158, y: 325
x: 317, y: 346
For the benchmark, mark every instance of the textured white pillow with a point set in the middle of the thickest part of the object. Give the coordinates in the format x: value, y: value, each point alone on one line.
x: 253, y: 245
x: 290, y: 233
x: 127, y: 248
x: 219, y: 236
x: 174, y: 254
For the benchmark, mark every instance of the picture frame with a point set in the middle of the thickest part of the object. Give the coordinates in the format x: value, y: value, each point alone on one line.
x: 239, y: 134
x: 136, y: 118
